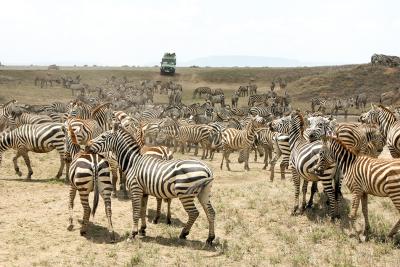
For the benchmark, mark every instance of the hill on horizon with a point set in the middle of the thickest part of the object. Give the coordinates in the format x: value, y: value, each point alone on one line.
x: 248, y: 61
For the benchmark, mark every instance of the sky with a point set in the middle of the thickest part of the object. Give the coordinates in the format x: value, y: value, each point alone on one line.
x: 132, y: 32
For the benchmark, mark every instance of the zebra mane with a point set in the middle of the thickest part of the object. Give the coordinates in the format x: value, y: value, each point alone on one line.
x: 9, y: 102
x: 301, y: 118
x: 99, y: 107
x: 386, y: 109
x: 340, y: 142
x: 72, y: 134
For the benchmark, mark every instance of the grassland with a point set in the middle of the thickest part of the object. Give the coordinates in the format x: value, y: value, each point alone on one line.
x: 253, y: 224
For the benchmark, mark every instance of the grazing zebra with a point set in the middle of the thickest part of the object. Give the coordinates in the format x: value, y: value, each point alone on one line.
x: 220, y: 99
x: 199, y: 91
x: 257, y: 99
x: 88, y: 172
x: 146, y: 175
x: 234, y: 139
x: 303, y: 157
x: 243, y: 90
x: 41, y: 138
x: 388, y: 126
x: 362, y: 175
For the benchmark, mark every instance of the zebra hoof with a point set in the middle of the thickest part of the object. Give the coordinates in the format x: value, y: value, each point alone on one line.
x: 112, y: 237
x: 83, y: 232
x: 169, y: 221
x: 18, y: 172
x: 210, y: 240
x: 142, y: 231
x: 183, y: 235
x: 70, y: 227
x: 155, y: 221
x: 132, y: 236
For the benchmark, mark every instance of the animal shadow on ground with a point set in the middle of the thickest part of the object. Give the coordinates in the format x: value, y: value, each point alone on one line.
x: 177, y: 242
x: 37, y: 180
x: 320, y: 210
x: 98, y: 234
x: 151, y: 214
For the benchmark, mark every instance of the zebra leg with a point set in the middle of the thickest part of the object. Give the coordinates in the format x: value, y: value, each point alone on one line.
x: 159, y: 202
x: 62, y: 164
x: 304, y: 194
x: 296, y: 183
x: 204, y: 199
x: 114, y: 181
x: 327, y: 184
x: 72, y: 194
x: 169, y: 211
x: 190, y: 208
x: 122, y: 183
x: 84, y: 196
x: 105, y: 192
x: 222, y: 161
x: 15, y: 161
x: 354, y: 207
x: 314, y: 189
x: 395, y: 199
x: 136, y: 194
x: 278, y: 154
x: 227, y: 153
x: 364, y: 207
x: 283, y: 166
x: 143, y: 211
x: 28, y: 164
x: 246, y: 157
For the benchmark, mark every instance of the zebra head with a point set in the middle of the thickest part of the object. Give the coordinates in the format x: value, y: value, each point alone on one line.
x: 319, y: 126
x: 325, y: 159
x: 101, y: 143
x: 370, y: 116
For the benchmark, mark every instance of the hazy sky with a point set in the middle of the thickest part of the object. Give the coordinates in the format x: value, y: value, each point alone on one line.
x: 117, y: 32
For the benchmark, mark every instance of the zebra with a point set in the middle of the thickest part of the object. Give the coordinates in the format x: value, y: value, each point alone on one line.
x: 199, y: 91
x: 18, y: 118
x: 388, y: 126
x: 261, y: 111
x: 146, y: 175
x: 216, y: 99
x: 41, y: 138
x: 234, y: 139
x: 362, y: 139
x: 235, y: 99
x: 318, y: 101
x: 303, y: 158
x: 265, y: 138
x: 243, y: 90
x: 362, y: 175
x: 256, y: 99
x: 88, y: 172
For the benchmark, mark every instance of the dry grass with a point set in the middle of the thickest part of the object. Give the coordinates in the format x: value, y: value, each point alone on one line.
x: 253, y: 222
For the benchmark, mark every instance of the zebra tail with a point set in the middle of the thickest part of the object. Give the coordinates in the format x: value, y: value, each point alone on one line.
x: 95, y: 189
x: 198, y: 187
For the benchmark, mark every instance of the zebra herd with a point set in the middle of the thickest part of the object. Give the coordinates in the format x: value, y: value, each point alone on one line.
x: 137, y: 149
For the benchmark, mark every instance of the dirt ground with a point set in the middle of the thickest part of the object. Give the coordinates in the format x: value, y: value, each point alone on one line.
x: 253, y: 226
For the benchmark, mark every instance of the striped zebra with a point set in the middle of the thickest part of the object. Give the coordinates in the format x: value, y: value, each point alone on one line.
x: 362, y: 139
x: 318, y: 101
x: 220, y: 99
x: 388, y: 126
x: 363, y: 176
x: 261, y: 111
x: 235, y: 99
x: 41, y: 138
x: 234, y: 139
x: 303, y: 157
x: 88, y: 172
x: 18, y: 118
x: 199, y: 91
x: 265, y: 139
x: 146, y: 175
x: 257, y: 99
